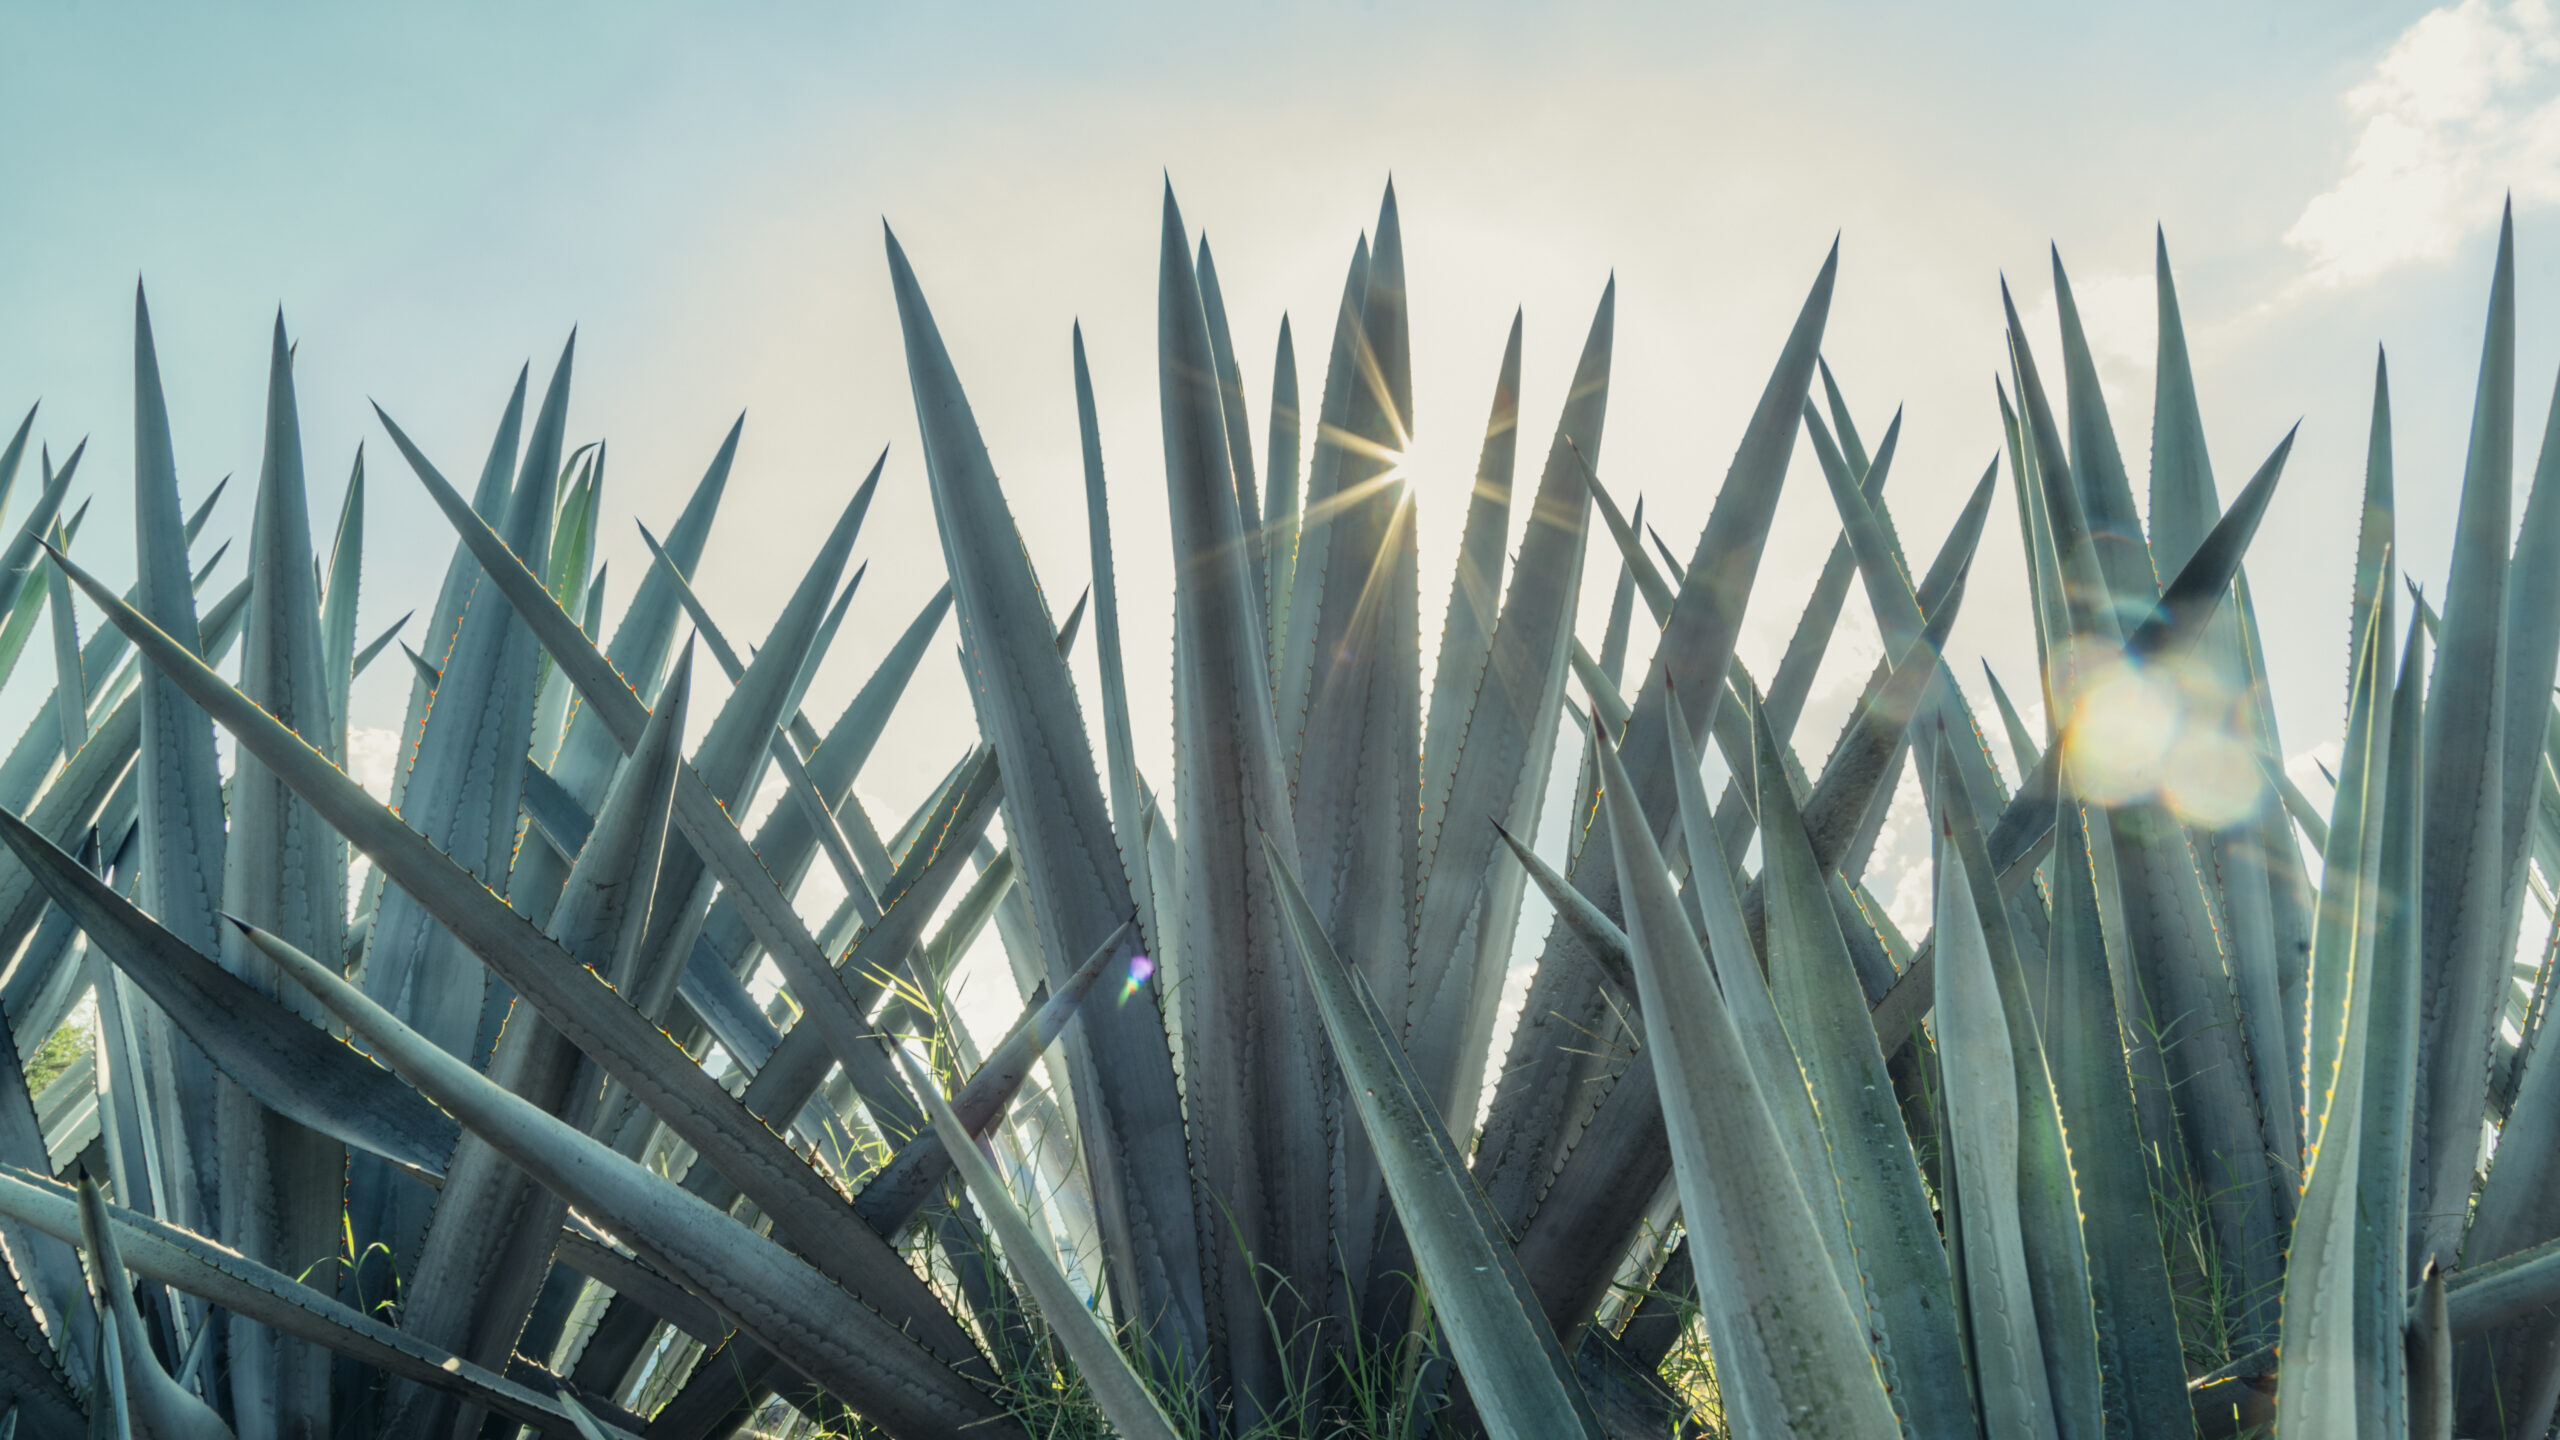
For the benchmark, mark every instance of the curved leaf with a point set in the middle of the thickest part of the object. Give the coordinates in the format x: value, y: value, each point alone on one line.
x: 159, y: 1408
x: 2053, y: 1245
x: 2510, y: 1214
x: 1357, y: 775
x: 1239, y: 431
x: 1980, y: 1065
x: 181, y: 794
x: 2139, y: 1355
x: 2097, y: 467
x: 706, y: 824
x: 338, y: 600
x: 1466, y: 635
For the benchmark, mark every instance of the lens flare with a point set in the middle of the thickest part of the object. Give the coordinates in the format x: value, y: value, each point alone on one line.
x: 2174, y: 732
x: 1141, y: 970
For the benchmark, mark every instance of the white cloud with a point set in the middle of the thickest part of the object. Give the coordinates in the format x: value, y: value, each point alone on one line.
x: 373, y: 751
x: 2463, y: 109
x: 2119, y: 313
x: 2305, y: 769
x: 2120, y: 318
x: 1899, y: 872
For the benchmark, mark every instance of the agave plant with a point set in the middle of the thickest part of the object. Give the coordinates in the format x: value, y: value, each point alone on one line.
x: 2159, y: 1130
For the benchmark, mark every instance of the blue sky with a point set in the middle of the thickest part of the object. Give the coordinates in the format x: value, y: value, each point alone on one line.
x: 436, y: 196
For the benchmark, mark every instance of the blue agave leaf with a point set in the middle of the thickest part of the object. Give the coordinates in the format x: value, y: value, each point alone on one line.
x: 482, y: 1263
x: 181, y: 795
x: 158, y: 1407
x: 1257, y: 1095
x: 281, y: 1184
x: 855, y: 1351
x: 1499, y: 735
x: 1280, y: 496
x: 1136, y: 1150
x: 1239, y: 430
x: 289, y: 1063
x: 1118, y: 745
x: 601, y: 1023
x: 1547, y: 1088
x: 1516, y: 1372
x: 338, y: 599
x: 2464, y: 957
x: 463, y: 794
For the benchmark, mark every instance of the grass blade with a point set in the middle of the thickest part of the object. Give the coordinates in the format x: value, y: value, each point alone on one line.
x: 1115, y: 1387
x: 893, y: 1194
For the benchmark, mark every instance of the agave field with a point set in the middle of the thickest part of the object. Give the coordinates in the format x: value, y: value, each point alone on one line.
x: 2199, y: 1109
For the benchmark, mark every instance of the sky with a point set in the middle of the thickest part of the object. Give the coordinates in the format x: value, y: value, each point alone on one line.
x: 436, y: 197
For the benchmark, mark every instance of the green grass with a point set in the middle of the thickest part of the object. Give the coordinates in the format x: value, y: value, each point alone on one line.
x: 61, y: 1050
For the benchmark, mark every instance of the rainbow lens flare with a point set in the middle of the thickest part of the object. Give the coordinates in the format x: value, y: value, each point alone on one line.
x: 1141, y: 969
